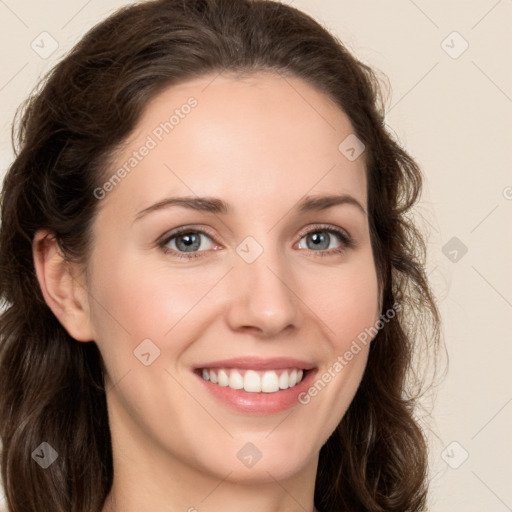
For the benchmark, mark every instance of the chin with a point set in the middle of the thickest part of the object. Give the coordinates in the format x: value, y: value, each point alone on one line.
x: 264, y: 461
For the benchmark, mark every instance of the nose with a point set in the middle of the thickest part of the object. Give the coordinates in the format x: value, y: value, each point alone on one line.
x: 263, y: 300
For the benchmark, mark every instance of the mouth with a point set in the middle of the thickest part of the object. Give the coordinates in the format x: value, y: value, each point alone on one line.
x: 258, y: 386
x: 254, y: 381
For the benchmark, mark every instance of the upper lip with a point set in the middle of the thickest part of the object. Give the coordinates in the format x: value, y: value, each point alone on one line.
x: 255, y: 363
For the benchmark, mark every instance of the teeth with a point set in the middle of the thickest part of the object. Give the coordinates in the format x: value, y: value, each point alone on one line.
x: 252, y: 381
x: 284, y: 380
x: 223, y: 378
x: 270, y: 382
x: 236, y: 381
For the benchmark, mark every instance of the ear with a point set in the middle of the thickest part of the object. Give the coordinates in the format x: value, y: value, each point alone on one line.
x: 63, y: 291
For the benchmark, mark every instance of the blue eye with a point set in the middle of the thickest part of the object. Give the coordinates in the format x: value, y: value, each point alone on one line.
x: 189, y: 242
x: 192, y: 243
x: 325, y: 241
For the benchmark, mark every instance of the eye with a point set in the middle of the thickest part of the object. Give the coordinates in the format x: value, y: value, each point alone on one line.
x: 325, y: 239
x: 188, y: 241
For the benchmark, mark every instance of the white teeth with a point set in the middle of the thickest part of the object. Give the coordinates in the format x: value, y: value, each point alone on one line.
x: 236, y: 381
x: 252, y: 381
x: 223, y: 378
x: 269, y: 382
x: 292, y: 379
x: 283, y: 380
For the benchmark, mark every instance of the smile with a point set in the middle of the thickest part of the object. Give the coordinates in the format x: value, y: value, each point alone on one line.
x: 251, y: 381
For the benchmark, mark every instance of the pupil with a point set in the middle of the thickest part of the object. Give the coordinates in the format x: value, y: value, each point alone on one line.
x: 320, y: 240
x: 188, y: 242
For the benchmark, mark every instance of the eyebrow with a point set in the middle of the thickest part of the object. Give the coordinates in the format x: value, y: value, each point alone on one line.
x: 318, y: 203
x: 203, y: 204
x: 218, y: 206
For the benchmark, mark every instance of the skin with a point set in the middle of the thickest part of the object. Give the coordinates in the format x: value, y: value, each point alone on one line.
x: 260, y: 143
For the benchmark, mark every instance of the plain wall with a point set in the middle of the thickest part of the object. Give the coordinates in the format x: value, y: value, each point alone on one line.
x: 451, y: 107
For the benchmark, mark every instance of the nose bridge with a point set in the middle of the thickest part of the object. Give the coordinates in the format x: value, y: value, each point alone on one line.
x: 263, y: 299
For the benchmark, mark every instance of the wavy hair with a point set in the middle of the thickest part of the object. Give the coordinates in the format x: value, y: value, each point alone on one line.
x: 52, y: 387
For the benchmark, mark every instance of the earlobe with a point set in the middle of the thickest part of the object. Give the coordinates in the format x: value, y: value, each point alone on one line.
x: 63, y: 292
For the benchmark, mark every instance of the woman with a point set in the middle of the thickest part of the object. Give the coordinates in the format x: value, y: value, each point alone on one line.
x: 212, y: 288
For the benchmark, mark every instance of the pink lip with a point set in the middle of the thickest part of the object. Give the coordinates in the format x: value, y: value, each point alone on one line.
x: 259, y: 403
x: 254, y: 363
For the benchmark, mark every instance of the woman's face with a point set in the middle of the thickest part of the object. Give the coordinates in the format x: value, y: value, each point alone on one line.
x: 271, y: 277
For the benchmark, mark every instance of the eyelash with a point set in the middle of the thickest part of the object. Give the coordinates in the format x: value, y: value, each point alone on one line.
x: 346, y: 241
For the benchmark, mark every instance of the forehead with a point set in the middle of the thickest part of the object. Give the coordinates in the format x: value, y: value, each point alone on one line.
x: 255, y: 139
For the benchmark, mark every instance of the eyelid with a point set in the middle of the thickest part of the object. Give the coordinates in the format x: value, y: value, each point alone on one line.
x: 164, y: 239
x: 329, y: 228
x: 346, y: 240
x: 167, y: 237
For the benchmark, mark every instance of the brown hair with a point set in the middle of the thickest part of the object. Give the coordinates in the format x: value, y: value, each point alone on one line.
x: 52, y: 387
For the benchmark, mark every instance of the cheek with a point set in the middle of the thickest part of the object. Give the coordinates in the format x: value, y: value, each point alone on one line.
x: 134, y: 301
x: 345, y: 299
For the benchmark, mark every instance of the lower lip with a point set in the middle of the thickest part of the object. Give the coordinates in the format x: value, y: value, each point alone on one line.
x: 260, y: 403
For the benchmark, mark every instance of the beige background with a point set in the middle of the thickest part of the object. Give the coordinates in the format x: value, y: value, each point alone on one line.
x: 452, y: 109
